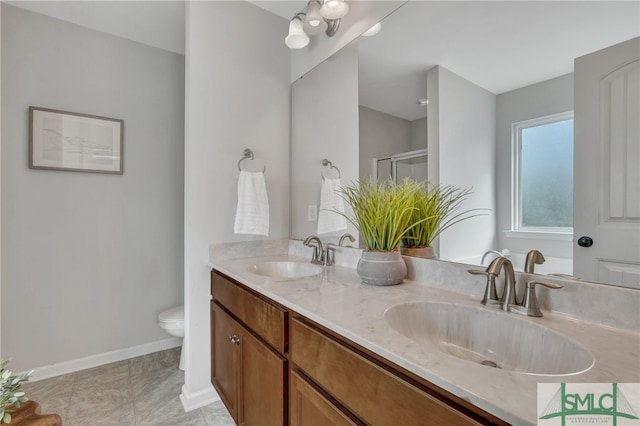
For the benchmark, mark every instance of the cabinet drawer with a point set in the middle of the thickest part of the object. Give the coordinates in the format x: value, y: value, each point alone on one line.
x: 370, y: 392
x: 264, y: 318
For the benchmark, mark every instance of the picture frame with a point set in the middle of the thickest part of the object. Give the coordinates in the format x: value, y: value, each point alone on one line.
x: 62, y: 140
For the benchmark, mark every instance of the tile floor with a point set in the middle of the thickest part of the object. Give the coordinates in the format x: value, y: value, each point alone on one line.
x: 141, y: 391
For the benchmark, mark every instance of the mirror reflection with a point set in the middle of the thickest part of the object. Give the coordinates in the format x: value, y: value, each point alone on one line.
x: 485, y: 71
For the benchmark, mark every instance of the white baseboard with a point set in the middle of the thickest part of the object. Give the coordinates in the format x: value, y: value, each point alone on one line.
x: 192, y: 401
x: 53, y: 370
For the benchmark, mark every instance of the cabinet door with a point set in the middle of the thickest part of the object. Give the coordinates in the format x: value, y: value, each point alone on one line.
x: 307, y: 406
x: 263, y: 391
x: 225, y: 371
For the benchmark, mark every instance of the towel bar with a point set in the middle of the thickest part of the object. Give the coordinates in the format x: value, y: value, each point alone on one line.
x: 325, y: 163
x: 247, y: 154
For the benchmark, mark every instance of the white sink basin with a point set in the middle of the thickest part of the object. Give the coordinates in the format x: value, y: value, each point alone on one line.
x: 286, y: 269
x: 493, y: 338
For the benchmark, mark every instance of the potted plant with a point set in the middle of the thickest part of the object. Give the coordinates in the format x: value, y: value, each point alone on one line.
x: 382, y: 214
x: 11, y: 391
x: 435, y: 206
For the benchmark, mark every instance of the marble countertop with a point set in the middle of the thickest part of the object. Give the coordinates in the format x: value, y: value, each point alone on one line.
x: 339, y: 301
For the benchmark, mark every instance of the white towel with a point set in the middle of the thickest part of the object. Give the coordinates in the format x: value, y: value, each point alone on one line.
x: 252, y: 213
x: 328, y: 220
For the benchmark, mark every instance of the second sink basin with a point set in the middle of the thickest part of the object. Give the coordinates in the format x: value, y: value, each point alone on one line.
x: 492, y: 338
x: 286, y: 269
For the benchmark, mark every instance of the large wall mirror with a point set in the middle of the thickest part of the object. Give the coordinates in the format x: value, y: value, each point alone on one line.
x: 361, y: 109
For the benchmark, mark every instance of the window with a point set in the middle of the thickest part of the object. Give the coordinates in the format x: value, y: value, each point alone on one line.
x: 543, y: 174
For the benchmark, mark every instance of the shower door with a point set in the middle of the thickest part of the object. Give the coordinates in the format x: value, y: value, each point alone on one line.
x: 412, y: 164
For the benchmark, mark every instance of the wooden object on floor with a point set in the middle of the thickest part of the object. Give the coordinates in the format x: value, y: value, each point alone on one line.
x: 29, y: 415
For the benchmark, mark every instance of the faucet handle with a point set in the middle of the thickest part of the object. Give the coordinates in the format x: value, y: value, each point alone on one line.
x: 530, y: 305
x: 490, y: 293
x: 330, y: 255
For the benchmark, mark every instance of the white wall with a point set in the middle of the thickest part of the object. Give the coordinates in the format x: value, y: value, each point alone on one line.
x: 324, y: 108
x: 237, y: 96
x: 381, y: 135
x: 462, y: 139
x: 362, y: 16
x: 89, y: 260
x: 537, y: 100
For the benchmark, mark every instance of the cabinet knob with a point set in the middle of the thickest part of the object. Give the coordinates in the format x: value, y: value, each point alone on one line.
x: 235, y: 340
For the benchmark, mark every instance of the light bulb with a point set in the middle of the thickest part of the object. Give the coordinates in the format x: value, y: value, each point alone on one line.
x: 373, y: 30
x: 334, y: 9
x: 314, y: 23
x: 296, y: 39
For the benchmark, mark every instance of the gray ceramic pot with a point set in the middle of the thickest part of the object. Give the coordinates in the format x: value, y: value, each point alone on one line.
x: 382, y: 267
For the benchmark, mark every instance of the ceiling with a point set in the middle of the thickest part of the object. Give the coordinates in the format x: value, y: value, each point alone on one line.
x: 159, y: 24
x: 499, y: 45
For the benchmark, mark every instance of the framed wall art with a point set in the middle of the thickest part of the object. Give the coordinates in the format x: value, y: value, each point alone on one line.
x: 61, y: 140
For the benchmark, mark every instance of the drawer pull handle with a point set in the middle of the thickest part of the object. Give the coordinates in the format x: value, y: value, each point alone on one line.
x: 234, y: 339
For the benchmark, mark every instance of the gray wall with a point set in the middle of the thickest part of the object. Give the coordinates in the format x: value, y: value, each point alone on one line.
x: 382, y: 135
x: 237, y: 96
x: 419, y: 134
x: 324, y: 113
x: 537, y: 100
x: 462, y: 147
x: 89, y: 260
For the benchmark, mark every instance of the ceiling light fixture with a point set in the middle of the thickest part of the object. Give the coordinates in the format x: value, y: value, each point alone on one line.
x: 314, y: 23
x: 334, y: 9
x: 296, y: 39
x: 318, y: 17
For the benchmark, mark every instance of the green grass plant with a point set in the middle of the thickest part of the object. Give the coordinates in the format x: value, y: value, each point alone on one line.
x: 435, y: 206
x: 382, y: 212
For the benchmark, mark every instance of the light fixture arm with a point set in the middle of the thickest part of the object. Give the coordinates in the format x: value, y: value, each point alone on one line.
x: 332, y: 26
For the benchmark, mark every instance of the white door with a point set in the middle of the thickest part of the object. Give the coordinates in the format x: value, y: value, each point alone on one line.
x: 607, y: 165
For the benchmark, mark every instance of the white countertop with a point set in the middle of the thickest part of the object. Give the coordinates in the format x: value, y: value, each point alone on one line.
x: 339, y: 301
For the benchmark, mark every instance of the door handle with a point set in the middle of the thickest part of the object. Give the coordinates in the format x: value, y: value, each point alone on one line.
x: 585, y: 241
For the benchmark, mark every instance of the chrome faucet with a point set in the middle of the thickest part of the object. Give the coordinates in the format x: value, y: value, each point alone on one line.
x: 329, y: 255
x: 533, y: 257
x: 496, y: 252
x: 509, y: 302
x: 490, y: 296
x: 530, y: 305
x: 318, y: 252
x: 344, y: 237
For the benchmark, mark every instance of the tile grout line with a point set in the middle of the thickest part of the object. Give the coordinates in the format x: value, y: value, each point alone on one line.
x: 130, y: 391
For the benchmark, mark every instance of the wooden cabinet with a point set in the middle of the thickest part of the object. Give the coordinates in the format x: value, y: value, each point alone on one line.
x: 317, y: 378
x: 373, y: 393
x: 249, y: 374
x: 309, y: 407
x: 225, y: 372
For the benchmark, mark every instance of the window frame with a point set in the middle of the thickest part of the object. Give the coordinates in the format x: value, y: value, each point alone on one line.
x: 517, y: 230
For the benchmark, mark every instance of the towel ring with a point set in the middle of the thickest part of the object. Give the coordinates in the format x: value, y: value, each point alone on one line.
x: 247, y: 154
x: 325, y: 163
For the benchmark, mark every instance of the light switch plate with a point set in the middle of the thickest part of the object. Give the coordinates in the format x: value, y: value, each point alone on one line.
x: 312, y: 212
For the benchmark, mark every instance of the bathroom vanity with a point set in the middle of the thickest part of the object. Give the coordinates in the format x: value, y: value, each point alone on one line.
x: 318, y: 350
x: 259, y: 348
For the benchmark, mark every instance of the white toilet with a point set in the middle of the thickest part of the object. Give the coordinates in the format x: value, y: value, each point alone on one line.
x: 172, y: 321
